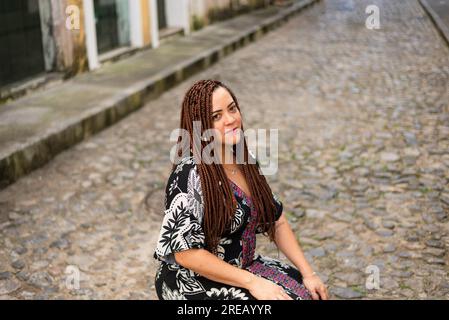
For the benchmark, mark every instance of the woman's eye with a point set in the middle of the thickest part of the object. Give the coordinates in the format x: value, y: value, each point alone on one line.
x: 216, y: 117
x: 233, y: 108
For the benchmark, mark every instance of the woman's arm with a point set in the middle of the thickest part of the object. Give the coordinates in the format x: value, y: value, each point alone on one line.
x: 210, y: 266
x: 287, y: 243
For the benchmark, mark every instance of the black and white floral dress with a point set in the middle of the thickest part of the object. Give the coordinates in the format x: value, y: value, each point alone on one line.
x: 182, y: 229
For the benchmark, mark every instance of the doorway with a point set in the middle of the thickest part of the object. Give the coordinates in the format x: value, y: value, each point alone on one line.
x: 112, y: 24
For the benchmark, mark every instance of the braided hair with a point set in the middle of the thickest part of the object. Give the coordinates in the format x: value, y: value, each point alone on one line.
x: 219, y: 201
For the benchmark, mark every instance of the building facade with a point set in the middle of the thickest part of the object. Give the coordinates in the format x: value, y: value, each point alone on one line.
x: 40, y: 37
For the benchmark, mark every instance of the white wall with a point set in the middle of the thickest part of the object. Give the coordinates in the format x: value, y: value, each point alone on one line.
x: 154, y: 23
x: 91, y: 34
x: 198, y: 8
x: 177, y: 13
x: 135, y: 23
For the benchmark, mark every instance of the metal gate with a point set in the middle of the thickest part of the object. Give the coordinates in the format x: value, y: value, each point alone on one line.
x: 21, y: 52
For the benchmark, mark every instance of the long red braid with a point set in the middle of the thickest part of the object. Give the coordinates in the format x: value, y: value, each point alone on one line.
x: 219, y: 201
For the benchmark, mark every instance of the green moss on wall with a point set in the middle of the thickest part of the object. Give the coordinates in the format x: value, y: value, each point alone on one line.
x: 197, y: 23
x: 235, y: 8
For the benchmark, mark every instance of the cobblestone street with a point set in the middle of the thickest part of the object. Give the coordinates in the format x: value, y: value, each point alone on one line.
x: 363, y: 123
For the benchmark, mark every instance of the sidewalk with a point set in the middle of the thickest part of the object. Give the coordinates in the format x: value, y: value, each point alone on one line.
x: 439, y: 12
x: 37, y: 127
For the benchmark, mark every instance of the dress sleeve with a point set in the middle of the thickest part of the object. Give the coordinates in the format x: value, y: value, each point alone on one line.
x: 279, y: 206
x: 182, y: 224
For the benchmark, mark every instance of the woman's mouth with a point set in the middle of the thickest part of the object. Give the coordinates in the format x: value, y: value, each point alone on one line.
x: 231, y: 131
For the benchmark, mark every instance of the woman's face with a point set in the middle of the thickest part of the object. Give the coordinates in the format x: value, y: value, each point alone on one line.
x: 226, y: 117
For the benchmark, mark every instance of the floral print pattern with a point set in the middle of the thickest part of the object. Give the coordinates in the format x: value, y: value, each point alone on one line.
x: 168, y: 294
x: 226, y: 294
x: 182, y: 229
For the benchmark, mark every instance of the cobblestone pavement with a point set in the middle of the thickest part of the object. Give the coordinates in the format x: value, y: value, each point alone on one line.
x: 363, y: 165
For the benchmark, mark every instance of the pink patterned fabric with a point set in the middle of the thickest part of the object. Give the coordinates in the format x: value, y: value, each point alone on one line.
x: 249, y: 235
x: 280, y: 278
x: 249, y: 248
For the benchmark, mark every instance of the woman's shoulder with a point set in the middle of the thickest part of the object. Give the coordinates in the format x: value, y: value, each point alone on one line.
x: 183, y: 173
x: 183, y: 167
x: 184, y: 183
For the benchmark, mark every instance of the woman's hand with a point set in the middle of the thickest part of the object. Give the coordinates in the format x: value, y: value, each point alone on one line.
x: 316, y: 287
x: 263, y: 289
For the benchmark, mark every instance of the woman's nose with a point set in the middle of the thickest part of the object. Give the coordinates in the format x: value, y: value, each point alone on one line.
x: 229, y: 118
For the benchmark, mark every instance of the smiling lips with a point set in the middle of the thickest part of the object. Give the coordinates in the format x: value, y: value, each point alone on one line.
x: 233, y: 131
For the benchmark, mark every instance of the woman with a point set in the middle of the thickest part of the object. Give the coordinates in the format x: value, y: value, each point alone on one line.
x: 214, y: 211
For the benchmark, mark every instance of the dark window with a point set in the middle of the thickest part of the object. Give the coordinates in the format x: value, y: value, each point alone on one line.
x: 161, y: 18
x: 106, y: 23
x: 21, y: 50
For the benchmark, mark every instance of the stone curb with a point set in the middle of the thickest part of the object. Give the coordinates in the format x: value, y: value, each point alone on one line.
x: 442, y: 28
